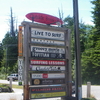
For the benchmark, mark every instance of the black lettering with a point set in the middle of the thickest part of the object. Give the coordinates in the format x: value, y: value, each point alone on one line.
x: 56, y: 35
x: 49, y: 33
x: 38, y: 33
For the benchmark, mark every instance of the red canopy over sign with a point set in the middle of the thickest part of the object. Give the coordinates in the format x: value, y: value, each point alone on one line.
x: 43, y: 18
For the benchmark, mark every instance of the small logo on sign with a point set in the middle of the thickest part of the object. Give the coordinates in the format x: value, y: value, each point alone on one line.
x: 36, y: 81
x: 45, y: 75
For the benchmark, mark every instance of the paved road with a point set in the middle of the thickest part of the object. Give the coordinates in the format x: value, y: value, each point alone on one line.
x: 8, y: 82
x: 95, y: 91
x: 17, y: 95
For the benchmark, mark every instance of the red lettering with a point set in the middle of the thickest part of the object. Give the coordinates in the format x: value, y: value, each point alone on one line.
x: 33, y: 89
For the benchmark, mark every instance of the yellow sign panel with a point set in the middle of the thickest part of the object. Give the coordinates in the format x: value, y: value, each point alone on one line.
x: 20, y: 42
x: 48, y: 95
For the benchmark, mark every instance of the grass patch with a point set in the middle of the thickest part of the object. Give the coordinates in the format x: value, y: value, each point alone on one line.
x: 13, y: 86
x: 4, y: 85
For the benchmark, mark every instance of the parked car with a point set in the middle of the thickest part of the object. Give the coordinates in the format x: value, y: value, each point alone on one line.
x: 13, y: 76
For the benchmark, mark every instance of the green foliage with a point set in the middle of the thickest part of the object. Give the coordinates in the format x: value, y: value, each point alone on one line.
x: 91, y: 56
x: 3, y: 76
x: 15, y: 68
x: 1, y: 53
x: 84, y: 31
x: 96, y: 13
x: 90, y: 51
x: 69, y: 22
x: 4, y: 86
x: 10, y: 53
x: 90, y: 61
x: 89, y: 44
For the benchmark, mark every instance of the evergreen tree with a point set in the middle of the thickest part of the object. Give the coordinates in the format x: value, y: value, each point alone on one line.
x: 1, y: 53
x: 96, y: 18
x: 10, y: 51
x: 91, y: 56
x: 83, y: 30
x: 96, y: 13
x: 10, y: 48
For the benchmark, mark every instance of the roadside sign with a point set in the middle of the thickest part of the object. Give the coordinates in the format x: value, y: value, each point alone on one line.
x: 46, y: 52
x: 47, y: 95
x: 48, y: 62
x: 47, y: 68
x: 48, y: 75
x: 48, y: 42
x: 38, y: 49
x: 47, y: 81
x: 45, y: 34
x: 20, y: 71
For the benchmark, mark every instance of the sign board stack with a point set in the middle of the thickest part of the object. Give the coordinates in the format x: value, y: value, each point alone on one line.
x: 45, y: 60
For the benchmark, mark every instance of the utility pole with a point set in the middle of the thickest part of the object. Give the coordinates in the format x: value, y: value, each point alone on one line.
x: 77, y: 51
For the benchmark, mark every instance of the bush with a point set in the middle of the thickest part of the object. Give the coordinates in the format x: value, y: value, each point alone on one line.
x: 5, y: 88
x: 3, y: 76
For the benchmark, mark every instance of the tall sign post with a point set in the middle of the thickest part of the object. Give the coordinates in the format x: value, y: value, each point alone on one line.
x: 47, y: 68
x: 77, y: 51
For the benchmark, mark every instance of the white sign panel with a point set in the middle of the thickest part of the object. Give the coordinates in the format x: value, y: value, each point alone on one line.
x: 49, y: 75
x: 47, y: 49
x: 53, y: 35
x: 47, y: 68
x: 20, y: 70
x: 49, y: 42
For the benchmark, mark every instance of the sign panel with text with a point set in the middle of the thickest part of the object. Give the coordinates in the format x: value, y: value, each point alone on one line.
x: 20, y: 41
x: 51, y: 91
x: 47, y: 95
x: 47, y: 42
x: 48, y: 62
x: 53, y: 35
x: 40, y: 49
x: 47, y: 89
x: 47, y: 68
x: 20, y: 71
x: 47, y: 55
x: 47, y: 81
x: 47, y: 75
